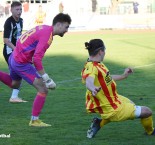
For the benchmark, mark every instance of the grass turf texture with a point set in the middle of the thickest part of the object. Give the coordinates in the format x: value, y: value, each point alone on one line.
x: 65, y: 106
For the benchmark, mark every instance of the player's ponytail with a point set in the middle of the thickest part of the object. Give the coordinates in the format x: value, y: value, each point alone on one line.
x: 86, y: 45
x: 94, y: 46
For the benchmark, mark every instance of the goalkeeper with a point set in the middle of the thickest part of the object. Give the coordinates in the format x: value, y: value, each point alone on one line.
x: 30, y: 49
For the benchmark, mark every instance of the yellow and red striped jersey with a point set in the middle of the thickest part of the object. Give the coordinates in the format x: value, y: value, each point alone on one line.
x: 107, y: 101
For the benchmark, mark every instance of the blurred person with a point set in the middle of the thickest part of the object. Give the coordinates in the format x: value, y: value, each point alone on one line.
x: 135, y: 7
x: 7, y: 11
x: 26, y: 62
x: 1, y: 11
x: 40, y: 16
x: 61, y: 7
x: 26, y: 6
x: 94, y: 5
x: 12, y: 31
x: 102, y: 96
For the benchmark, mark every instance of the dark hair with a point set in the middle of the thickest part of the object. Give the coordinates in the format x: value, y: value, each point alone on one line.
x: 15, y: 3
x: 62, y: 18
x: 94, y: 46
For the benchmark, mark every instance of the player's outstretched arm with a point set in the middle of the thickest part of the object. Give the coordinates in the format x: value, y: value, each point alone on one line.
x: 126, y: 73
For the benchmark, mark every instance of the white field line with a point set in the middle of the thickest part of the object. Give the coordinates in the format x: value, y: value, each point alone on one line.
x: 76, y: 79
x: 142, y: 66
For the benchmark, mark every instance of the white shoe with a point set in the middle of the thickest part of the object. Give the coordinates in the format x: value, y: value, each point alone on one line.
x: 17, y: 100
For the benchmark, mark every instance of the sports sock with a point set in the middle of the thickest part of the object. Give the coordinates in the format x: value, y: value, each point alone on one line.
x: 103, y: 122
x: 15, y: 93
x: 34, y: 117
x: 38, y: 104
x: 6, y: 79
x: 148, y: 124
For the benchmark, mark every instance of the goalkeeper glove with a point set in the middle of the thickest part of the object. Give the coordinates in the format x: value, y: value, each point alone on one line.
x: 48, y: 81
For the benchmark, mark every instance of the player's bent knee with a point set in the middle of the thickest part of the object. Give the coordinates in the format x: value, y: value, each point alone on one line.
x: 16, y: 84
x: 146, y: 112
x: 42, y: 89
x: 45, y: 90
x: 40, y: 86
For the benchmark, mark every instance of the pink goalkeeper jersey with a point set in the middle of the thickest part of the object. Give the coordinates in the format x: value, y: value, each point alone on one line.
x: 32, y: 45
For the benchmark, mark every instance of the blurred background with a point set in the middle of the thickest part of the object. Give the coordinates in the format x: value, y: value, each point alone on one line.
x: 86, y: 14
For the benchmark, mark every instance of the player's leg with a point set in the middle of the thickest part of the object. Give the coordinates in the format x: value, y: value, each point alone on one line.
x: 38, y: 103
x: 146, y: 119
x: 9, y: 79
x: 131, y: 111
x: 95, y: 126
x: 6, y: 79
x: 104, y: 122
x: 30, y: 74
x: 125, y: 99
x: 14, y: 96
x: 6, y: 55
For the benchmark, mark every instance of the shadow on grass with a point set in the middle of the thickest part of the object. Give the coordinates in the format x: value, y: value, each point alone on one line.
x: 65, y: 109
x: 66, y: 72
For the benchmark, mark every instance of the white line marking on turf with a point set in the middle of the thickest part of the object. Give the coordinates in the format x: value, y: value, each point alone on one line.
x: 75, y: 79
x: 66, y: 81
x: 141, y: 66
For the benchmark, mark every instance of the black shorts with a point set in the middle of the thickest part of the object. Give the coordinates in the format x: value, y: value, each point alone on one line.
x: 6, y: 56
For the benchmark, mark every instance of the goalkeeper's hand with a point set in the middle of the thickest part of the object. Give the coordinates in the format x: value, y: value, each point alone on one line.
x: 48, y: 81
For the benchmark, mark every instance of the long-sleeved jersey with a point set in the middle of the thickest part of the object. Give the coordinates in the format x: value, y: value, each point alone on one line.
x: 107, y: 101
x: 32, y: 45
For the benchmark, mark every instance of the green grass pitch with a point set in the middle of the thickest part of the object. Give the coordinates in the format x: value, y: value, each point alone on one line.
x: 65, y: 106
